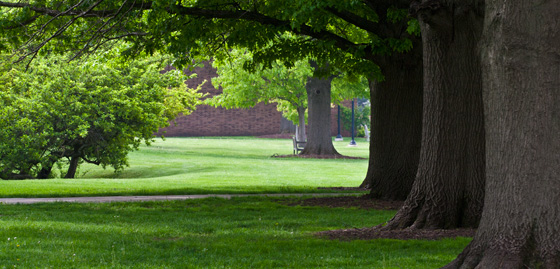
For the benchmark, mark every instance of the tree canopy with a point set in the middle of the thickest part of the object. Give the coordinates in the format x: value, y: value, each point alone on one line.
x: 244, y: 89
x: 279, y: 84
x: 347, y: 34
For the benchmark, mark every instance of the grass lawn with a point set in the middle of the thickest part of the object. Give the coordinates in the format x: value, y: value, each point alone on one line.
x: 205, y: 165
x: 244, y: 232
x: 248, y: 232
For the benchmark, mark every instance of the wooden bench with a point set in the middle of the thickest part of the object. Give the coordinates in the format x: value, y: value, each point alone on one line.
x: 298, y: 145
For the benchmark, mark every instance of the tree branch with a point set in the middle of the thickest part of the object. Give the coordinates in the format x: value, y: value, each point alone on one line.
x: 422, y: 6
x: 303, y: 29
x: 90, y: 161
x: 356, y: 20
x: 69, y: 12
x: 100, y: 32
x: 246, y: 15
x: 23, y: 23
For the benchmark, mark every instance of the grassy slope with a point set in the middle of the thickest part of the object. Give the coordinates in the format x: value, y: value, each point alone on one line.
x: 205, y: 165
x: 250, y: 232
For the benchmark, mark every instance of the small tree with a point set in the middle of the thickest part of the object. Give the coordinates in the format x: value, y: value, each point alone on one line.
x: 93, y: 111
x: 280, y: 84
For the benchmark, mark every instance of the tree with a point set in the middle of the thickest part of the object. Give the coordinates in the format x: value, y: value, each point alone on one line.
x: 519, y: 149
x: 279, y: 84
x: 448, y: 190
x: 320, y: 91
x: 319, y: 105
x: 521, y: 67
x: 92, y: 111
x: 396, y: 125
x: 354, y: 36
x: 396, y: 98
x: 289, y: 88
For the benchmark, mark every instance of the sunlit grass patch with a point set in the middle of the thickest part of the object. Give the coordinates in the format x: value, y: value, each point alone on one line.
x: 205, y: 165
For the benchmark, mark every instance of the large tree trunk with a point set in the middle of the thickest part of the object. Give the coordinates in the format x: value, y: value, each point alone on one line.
x: 520, y: 226
x: 396, y: 126
x: 449, y: 188
x: 319, y: 141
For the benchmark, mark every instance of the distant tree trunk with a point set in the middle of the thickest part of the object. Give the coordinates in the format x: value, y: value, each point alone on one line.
x: 520, y: 225
x: 45, y: 172
x: 448, y: 191
x: 301, y: 136
x: 73, y: 167
x: 319, y: 141
x: 396, y: 125
x: 46, y: 166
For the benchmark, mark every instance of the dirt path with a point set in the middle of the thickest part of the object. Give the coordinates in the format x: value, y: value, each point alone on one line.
x: 106, y: 199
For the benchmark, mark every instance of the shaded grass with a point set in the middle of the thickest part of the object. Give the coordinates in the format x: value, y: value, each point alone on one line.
x: 243, y: 232
x: 206, y: 165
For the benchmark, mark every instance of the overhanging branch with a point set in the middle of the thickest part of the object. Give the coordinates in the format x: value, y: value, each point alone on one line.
x: 246, y: 15
x: 356, y: 20
x: 303, y: 29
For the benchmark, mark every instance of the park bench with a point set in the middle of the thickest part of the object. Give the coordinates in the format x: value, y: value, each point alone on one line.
x: 298, y: 145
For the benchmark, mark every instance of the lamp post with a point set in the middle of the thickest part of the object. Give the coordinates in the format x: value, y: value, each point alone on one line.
x: 339, y: 136
x: 353, y: 143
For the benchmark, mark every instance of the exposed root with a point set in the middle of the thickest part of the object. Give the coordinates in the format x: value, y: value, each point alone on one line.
x: 406, y: 234
x: 481, y: 255
x: 418, y: 212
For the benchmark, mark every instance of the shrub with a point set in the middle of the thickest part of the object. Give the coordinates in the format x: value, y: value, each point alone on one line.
x: 93, y: 111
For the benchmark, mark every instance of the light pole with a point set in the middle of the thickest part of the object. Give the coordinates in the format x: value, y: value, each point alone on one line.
x: 339, y: 136
x: 353, y: 143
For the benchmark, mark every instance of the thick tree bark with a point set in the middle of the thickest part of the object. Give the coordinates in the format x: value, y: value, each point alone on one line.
x: 449, y: 187
x: 520, y: 226
x: 319, y: 141
x: 73, y: 167
x: 396, y: 121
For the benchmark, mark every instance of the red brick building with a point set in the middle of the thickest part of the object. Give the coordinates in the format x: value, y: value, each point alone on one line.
x: 210, y: 121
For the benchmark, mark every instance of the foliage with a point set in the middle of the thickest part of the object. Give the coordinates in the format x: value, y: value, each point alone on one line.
x: 244, y: 89
x: 347, y: 86
x: 361, y: 117
x: 95, y: 111
x: 346, y: 34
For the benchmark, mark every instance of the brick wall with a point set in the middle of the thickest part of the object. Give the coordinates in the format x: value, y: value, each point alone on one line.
x: 210, y: 121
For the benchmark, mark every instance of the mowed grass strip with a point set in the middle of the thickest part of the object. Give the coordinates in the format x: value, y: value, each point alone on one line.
x: 205, y: 165
x: 248, y: 232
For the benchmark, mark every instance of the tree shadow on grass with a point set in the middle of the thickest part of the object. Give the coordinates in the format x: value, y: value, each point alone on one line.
x: 369, y: 233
